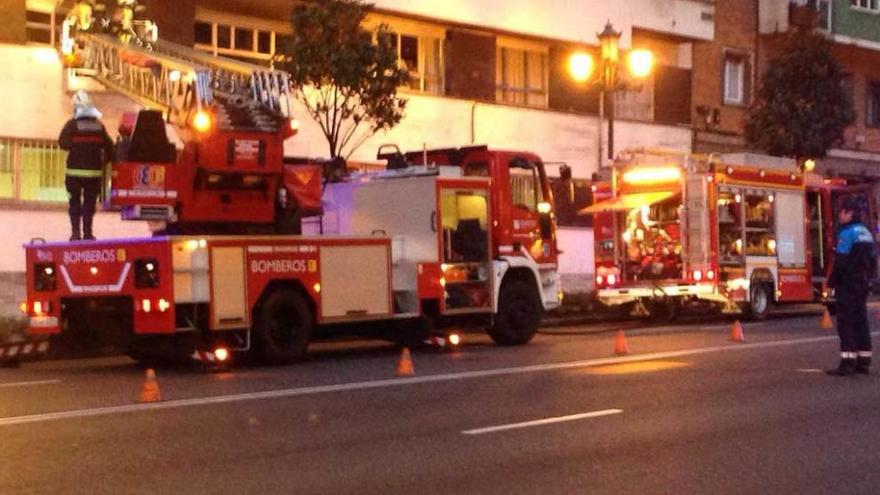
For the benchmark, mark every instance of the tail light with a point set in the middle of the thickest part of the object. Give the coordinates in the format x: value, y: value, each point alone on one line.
x: 153, y: 305
x: 612, y: 280
x: 710, y: 275
x: 600, y: 280
x: 40, y: 308
x: 698, y: 275
x: 45, y: 277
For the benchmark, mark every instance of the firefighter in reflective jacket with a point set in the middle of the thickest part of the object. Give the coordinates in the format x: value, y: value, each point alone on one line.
x: 854, y: 267
x: 89, y: 147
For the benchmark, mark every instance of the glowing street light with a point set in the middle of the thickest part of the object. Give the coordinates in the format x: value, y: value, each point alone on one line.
x: 582, y: 67
x: 640, y: 63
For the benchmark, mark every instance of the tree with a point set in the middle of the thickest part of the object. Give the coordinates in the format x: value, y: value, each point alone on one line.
x: 801, y: 109
x: 346, y: 78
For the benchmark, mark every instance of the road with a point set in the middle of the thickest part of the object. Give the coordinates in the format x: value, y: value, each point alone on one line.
x: 686, y: 411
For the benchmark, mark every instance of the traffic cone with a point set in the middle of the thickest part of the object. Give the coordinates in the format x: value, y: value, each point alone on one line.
x: 827, y: 324
x: 620, y: 347
x: 404, y: 364
x: 150, y: 391
x: 736, y: 333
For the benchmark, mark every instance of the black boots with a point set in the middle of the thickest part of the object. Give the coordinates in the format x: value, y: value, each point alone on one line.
x: 75, y: 232
x: 87, y: 228
x: 847, y: 367
x: 84, y: 233
x: 851, y: 365
x: 863, y: 365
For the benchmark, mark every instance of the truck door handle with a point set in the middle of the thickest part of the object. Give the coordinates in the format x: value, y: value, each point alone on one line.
x: 433, y: 221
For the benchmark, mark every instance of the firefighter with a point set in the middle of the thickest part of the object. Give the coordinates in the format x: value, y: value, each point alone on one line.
x: 854, y: 267
x: 88, y: 147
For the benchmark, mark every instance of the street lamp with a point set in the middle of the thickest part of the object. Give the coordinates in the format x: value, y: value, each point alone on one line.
x: 581, y: 67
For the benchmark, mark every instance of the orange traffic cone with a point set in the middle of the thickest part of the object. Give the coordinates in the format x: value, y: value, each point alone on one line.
x: 827, y: 324
x: 404, y: 364
x: 620, y: 346
x: 150, y: 391
x: 736, y: 333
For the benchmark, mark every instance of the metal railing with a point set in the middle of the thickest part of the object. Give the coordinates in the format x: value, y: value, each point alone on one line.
x: 32, y: 170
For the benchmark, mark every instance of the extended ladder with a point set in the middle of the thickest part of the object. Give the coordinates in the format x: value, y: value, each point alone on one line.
x: 181, y: 81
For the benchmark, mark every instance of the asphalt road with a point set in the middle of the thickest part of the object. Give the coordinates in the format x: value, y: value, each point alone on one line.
x: 686, y: 412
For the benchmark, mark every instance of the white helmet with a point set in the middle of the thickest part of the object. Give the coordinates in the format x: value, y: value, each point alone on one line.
x: 81, y: 99
x: 83, y: 106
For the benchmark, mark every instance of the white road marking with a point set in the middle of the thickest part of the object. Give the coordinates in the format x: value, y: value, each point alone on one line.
x: 397, y: 382
x: 540, y: 422
x: 29, y: 384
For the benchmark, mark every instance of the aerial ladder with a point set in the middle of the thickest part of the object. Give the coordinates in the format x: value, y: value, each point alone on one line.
x: 232, y: 118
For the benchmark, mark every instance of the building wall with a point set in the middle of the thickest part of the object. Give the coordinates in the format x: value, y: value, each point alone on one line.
x: 12, y: 21
x: 555, y: 136
x: 175, y: 24
x: 569, y: 20
x: 736, y: 31
x: 864, y: 67
x: 855, y: 23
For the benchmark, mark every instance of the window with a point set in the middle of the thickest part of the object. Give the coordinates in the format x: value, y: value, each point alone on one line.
x: 244, y: 39
x: 525, y: 188
x: 571, y: 196
x: 730, y: 227
x: 224, y: 37
x: 32, y: 170
x: 872, y: 105
x: 824, y: 7
x: 734, y: 79
x: 760, y: 223
x: 422, y: 56
x: 235, y: 41
x: 204, y: 33
x: 866, y: 4
x: 40, y: 23
x: 521, y: 76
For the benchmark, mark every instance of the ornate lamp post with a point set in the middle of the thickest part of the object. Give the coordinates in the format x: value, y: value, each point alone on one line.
x: 581, y: 68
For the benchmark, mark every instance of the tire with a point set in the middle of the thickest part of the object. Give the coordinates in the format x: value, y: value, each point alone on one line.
x: 282, y: 329
x: 519, y: 314
x: 759, y: 302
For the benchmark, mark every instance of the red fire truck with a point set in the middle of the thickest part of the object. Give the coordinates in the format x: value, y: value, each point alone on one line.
x: 444, y: 238
x: 738, y: 232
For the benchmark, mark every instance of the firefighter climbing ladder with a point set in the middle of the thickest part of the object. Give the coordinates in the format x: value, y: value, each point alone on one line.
x: 181, y: 81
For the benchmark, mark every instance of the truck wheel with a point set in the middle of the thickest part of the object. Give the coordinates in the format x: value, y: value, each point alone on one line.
x: 282, y: 328
x: 759, y: 302
x: 519, y: 313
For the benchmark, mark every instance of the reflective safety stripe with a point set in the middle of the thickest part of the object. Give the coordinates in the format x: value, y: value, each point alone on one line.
x: 864, y: 353
x: 79, y: 172
x: 847, y: 355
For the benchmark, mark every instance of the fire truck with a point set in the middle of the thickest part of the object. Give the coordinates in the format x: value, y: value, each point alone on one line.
x: 735, y: 232
x: 441, y: 240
